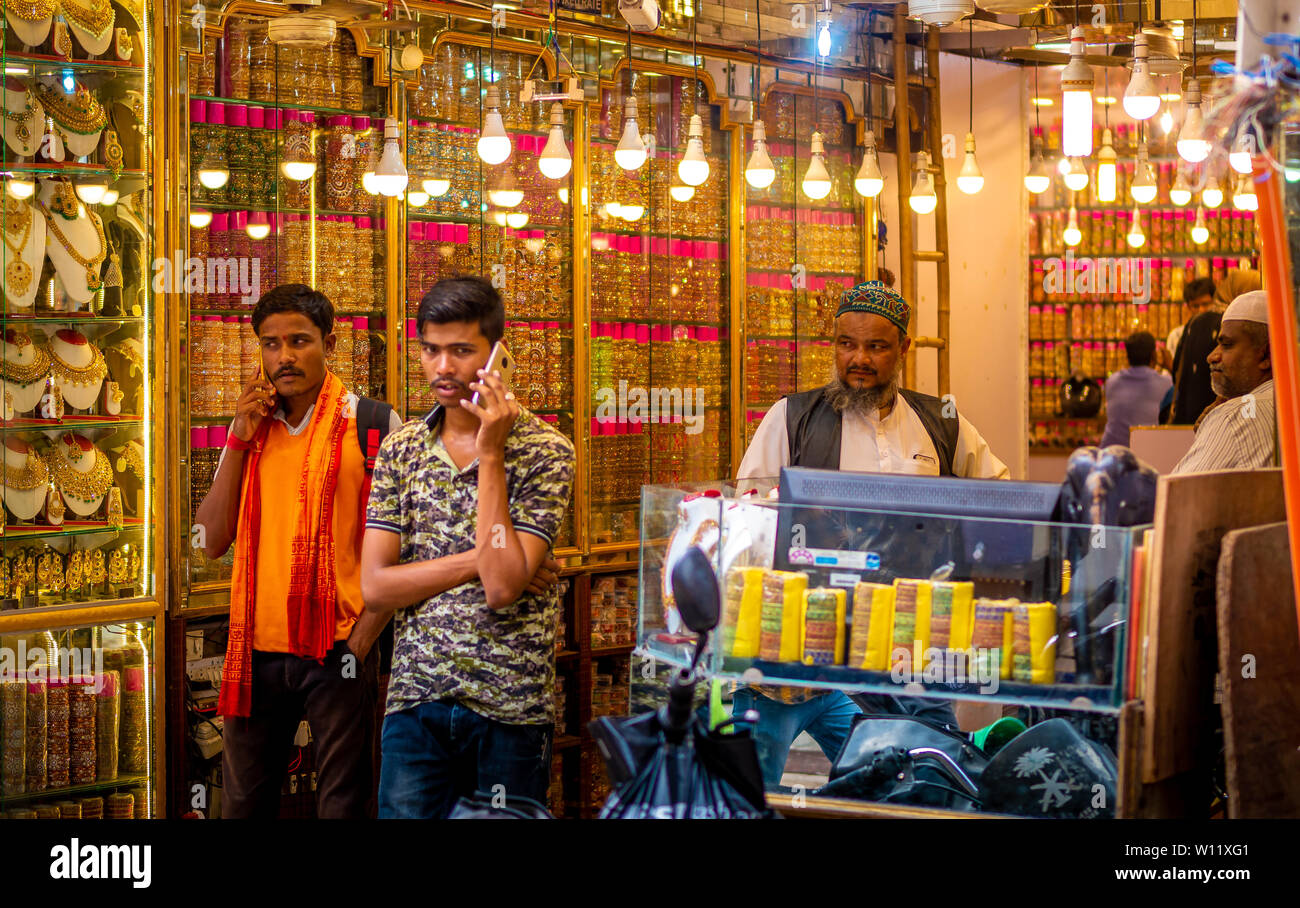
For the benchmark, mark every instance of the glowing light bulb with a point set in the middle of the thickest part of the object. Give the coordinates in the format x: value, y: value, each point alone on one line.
x: 1212, y: 194
x: 1106, y: 169
x: 1239, y: 159
x: 1039, y: 177
x: 694, y: 167
x: 563, y: 194
x: 1243, y: 197
x: 923, y: 199
x: 970, y: 179
x: 92, y: 193
x: 1076, y: 178
x: 681, y: 193
x: 1076, y: 100
x: 298, y: 170
x: 516, y: 219
x: 390, y: 173
x: 1200, y: 233
x: 213, y: 175
x: 20, y: 187
x: 1181, y: 192
x: 816, y: 180
x: 369, y: 183
x: 436, y: 187
x: 417, y: 198
x: 493, y: 143
x: 555, y: 162
x: 110, y: 198
x: 1063, y: 165
x: 824, y: 39
x: 614, y: 209
x: 632, y: 212
x: 1166, y: 121
x: 1193, y: 147
x: 1072, y: 234
x: 869, y: 180
x: 630, y: 153
x: 200, y: 218
x: 1142, y: 97
x: 258, y: 230
x: 759, y: 172
x: 1136, y: 238
x: 1143, y: 187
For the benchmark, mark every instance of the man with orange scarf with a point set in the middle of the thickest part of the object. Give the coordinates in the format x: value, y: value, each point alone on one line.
x: 291, y: 492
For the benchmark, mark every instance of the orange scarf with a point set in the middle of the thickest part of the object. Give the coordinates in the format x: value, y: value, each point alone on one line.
x: 313, y: 594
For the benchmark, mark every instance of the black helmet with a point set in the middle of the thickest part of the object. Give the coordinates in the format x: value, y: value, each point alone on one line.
x: 1051, y: 771
x: 1080, y: 397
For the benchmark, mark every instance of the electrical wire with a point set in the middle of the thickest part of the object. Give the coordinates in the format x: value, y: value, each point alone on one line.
x: 970, y: 119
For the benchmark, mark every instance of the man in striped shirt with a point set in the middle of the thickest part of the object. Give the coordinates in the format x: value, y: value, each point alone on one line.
x: 1236, y: 432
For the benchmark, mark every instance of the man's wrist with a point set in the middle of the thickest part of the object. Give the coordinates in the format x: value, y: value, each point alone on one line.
x: 492, y: 459
x: 235, y: 443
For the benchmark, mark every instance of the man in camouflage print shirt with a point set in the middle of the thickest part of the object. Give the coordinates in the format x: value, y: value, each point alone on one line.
x: 464, y: 506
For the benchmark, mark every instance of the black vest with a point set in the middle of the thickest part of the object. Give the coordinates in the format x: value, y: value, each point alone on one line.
x: 813, y: 428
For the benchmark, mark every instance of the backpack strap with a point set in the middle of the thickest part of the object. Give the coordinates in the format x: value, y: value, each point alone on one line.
x: 373, y: 418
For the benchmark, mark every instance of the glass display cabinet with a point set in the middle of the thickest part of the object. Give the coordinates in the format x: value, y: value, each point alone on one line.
x: 80, y: 540
x: 801, y: 253
x: 278, y: 187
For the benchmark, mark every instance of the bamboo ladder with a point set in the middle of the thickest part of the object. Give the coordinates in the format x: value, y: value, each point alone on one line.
x: 909, y: 253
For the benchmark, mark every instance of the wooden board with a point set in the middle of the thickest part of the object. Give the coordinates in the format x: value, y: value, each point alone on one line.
x: 1259, y: 662
x: 1193, y: 512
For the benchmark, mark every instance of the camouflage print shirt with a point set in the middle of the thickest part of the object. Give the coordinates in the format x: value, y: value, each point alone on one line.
x: 500, y: 664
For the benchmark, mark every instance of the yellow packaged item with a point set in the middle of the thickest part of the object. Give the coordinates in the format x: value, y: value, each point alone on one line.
x: 1034, y: 642
x: 780, y: 638
x: 824, y: 610
x: 873, y: 626
x: 742, y: 621
x: 952, y: 614
x: 911, y: 622
x: 992, y: 637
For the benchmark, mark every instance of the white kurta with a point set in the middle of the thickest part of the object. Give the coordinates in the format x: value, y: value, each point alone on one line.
x: 898, y: 443
x: 1235, y: 435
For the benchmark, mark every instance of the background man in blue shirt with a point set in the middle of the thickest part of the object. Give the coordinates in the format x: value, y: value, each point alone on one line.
x: 1133, y: 395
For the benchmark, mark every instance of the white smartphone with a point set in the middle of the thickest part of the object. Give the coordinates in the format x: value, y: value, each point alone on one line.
x: 499, y: 361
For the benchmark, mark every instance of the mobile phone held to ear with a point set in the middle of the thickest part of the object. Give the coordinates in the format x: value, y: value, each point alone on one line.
x: 500, y: 361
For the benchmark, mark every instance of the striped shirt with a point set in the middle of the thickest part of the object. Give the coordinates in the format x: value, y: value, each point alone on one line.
x: 1235, y: 435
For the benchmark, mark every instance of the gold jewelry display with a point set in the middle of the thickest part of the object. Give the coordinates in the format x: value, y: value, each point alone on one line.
x: 82, y: 114
x: 92, y: 265
x: 54, y: 507
x: 23, y: 131
x: 18, y: 220
x: 131, y: 355
x: 84, y: 487
x: 62, y: 40
x: 131, y: 459
x: 95, y: 571
x: 134, y: 569
x: 56, y: 581
x: 113, y: 152
x: 125, y: 49
x: 34, y: 371
x: 114, y: 510
x: 31, y: 475
x: 30, y: 10
x: 113, y: 273
x: 94, y: 20
x: 79, y: 375
x: 44, y: 568
x: 4, y: 576
x: 64, y: 201
x: 74, y: 573
x: 116, y: 568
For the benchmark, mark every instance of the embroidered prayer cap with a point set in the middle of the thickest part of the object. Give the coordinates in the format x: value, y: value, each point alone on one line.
x: 1249, y: 307
x: 876, y: 298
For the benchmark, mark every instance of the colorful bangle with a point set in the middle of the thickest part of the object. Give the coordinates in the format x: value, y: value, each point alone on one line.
x: 237, y: 444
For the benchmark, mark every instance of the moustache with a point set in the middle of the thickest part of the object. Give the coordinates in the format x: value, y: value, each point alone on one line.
x: 284, y: 372
x: 449, y: 381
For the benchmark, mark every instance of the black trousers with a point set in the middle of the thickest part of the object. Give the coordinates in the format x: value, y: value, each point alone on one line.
x: 337, y: 697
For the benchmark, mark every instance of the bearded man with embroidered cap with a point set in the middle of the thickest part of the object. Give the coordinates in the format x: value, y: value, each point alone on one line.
x: 860, y: 420
x: 1236, y: 432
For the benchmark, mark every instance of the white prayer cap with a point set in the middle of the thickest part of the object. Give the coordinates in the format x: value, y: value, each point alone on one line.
x: 1249, y: 307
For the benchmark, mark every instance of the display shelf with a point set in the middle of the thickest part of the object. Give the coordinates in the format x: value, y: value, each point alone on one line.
x: 484, y: 220
x: 293, y: 105
x: 70, y: 528
x: 90, y: 788
x: 71, y: 422
x: 799, y: 206
x: 279, y: 209
x: 1147, y: 254
x: 70, y: 167
x: 57, y: 64
x: 71, y: 318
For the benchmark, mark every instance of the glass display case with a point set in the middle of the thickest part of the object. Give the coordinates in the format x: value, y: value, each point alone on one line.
x: 279, y: 188
x: 660, y: 373
x: 801, y: 253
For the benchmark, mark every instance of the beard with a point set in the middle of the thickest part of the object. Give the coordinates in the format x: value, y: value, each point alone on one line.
x: 863, y: 402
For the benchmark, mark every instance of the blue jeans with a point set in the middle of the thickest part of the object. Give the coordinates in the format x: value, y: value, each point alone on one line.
x: 436, y: 753
x: 827, y: 718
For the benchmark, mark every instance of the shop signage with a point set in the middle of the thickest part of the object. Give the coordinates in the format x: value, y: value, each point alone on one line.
x: 591, y: 7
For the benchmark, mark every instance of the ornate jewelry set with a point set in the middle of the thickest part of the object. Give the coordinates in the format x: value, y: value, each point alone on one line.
x: 38, y: 570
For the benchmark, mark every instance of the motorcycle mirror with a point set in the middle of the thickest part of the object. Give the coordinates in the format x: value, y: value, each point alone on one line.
x: 695, y: 588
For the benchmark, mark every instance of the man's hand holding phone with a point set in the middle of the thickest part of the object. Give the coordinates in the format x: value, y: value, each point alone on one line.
x: 255, y: 404
x: 497, y: 411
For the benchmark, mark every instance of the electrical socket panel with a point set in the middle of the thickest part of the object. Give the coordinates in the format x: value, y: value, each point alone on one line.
x: 569, y: 89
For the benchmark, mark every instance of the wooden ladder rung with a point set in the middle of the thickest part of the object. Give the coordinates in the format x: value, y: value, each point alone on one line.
x: 938, y: 343
x: 930, y: 255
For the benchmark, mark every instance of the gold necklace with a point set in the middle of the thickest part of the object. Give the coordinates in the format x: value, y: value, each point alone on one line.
x: 81, y: 114
x: 87, y: 487
x: 34, y: 371
x: 88, y: 374
x: 91, y: 265
x: 132, y: 460
x: 23, y: 132
x: 131, y: 355
x: 94, y: 20
x: 18, y: 274
x: 33, y: 474
x: 30, y: 10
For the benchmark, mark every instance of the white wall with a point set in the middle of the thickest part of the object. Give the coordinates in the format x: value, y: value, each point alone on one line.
x: 988, y: 261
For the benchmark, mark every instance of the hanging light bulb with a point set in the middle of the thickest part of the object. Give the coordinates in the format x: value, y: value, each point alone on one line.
x: 200, y: 218
x: 91, y: 191
x: 1039, y: 176
x: 970, y: 179
x: 1076, y: 178
x: 613, y: 209
x: 1167, y: 121
x: 681, y: 193
x: 563, y: 194
x: 824, y: 39
x: 1243, y: 196
x: 1143, y: 187
x: 417, y: 198
x: 1193, y: 147
x: 1200, y: 233
x: 1181, y: 192
x: 504, y: 194
x: 436, y: 187
x: 694, y: 167
x: 390, y: 173
x: 1063, y: 165
x: 630, y: 153
x: 516, y: 219
x: 555, y: 162
x: 1072, y: 234
x: 759, y: 172
x: 632, y: 212
x: 299, y: 162
x: 816, y: 180
x: 110, y: 198
x: 869, y: 180
x: 1106, y: 169
x: 213, y: 172
x: 1212, y: 194
x: 23, y: 188
x: 1136, y: 237
x: 1240, y: 156
x: 499, y: 218
x: 493, y: 143
x: 923, y: 199
x: 1076, y: 103
x: 1142, y: 97
x: 258, y: 227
